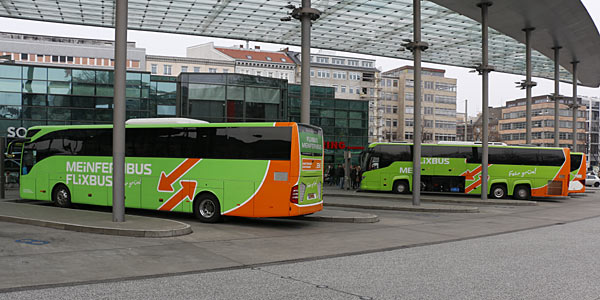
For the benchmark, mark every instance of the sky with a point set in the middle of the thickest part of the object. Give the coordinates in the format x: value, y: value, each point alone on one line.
x: 502, y: 86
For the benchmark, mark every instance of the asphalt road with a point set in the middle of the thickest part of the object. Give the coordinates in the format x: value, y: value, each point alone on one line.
x: 560, y: 261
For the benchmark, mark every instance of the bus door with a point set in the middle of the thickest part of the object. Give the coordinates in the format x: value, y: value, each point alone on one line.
x: 27, y: 181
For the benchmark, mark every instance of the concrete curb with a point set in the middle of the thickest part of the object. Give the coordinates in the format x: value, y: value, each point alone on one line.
x: 185, y: 228
x: 368, y: 218
x: 433, y: 200
x: 408, y: 208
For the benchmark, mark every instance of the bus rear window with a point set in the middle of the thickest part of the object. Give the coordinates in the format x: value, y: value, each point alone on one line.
x: 311, y: 140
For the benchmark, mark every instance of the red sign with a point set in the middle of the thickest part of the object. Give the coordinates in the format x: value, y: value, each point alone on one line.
x: 340, y: 146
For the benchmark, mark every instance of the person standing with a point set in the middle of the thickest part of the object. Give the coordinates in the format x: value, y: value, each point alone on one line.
x: 331, y: 174
x: 357, y: 182
x: 353, y: 177
x: 339, y: 173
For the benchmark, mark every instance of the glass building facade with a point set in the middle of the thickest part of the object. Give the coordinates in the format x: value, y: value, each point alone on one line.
x: 344, y: 122
x: 231, y: 97
x: 38, y: 95
x: 34, y: 95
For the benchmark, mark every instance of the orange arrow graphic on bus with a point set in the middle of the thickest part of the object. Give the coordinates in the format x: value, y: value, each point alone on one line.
x: 188, y: 188
x: 470, y: 175
x: 165, y: 183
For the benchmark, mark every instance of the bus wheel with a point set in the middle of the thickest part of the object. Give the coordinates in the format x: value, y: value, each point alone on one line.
x: 400, y: 187
x: 498, y: 191
x: 61, y: 196
x: 207, y: 208
x: 522, y: 192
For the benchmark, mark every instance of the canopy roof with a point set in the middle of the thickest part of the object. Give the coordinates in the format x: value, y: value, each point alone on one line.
x: 373, y: 27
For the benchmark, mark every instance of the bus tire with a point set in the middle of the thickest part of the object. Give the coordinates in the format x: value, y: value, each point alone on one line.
x: 498, y: 191
x: 522, y: 192
x: 207, y: 208
x: 61, y: 196
x: 401, y: 187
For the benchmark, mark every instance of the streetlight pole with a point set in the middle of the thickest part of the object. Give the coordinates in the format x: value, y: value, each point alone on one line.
x: 484, y: 69
x: 466, y: 117
x: 556, y: 96
x: 575, y: 105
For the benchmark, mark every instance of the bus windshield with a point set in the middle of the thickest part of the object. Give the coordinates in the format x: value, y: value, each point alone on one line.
x: 311, y: 140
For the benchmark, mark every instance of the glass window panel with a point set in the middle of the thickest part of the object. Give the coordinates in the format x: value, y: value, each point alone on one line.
x: 206, y: 91
x: 104, y: 115
x: 37, y: 73
x: 133, y: 92
x: 355, y: 123
x: 134, y: 78
x: 82, y: 115
x: 341, y: 114
x: 84, y: 89
x: 355, y: 115
x: 271, y: 112
x: 166, y: 87
x: 87, y: 76
x: 166, y: 110
x: 35, y: 86
x: 34, y: 100
x: 7, y: 71
x: 82, y: 102
x: 133, y: 104
x: 59, y: 74
x: 10, y: 112
x: 38, y: 113
x: 59, y: 87
x: 146, y: 92
x: 327, y: 113
x: 235, y: 93
x: 10, y: 85
x: 341, y: 123
x: 59, y: 100
x: 342, y: 104
x: 263, y: 95
x: 105, y: 90
x: 10, y: 98
x: 105, y: 77
x: 59, y: 113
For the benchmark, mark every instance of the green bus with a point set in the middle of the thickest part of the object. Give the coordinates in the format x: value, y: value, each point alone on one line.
x: 456, y: 168
x: 236, y: 169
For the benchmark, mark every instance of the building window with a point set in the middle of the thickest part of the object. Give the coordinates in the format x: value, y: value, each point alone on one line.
x: 154, y: 68
x: 214, y: 70
x: 196, y: 69
x: 441, y: 86
x: 428, y: 110
x: 335, y: 88
x: 283, y: 60
x: 322, y: 74
x: 322, y: 60
x: 24, y: 56
x: 167, y: 70
x: 258, y: 73
x: 353, y: 63
x: 249, y: 56
x: 70, y: 59
x: 54, y: 58
x: 354, y: 76
x: 312, y: 73
x: 184, y: 69
x: 269, y: 58
x: 367, y: 64
x: 338, y: 61
x: 428, y: 97
x: 225, y: 70
x: 343, y: 89
x: 428, y: 85
x: 395, y: 83
x: 351, y: 90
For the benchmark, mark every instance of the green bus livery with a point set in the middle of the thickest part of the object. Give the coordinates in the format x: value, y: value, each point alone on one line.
x: 235, y: 169
x: 519, y: 171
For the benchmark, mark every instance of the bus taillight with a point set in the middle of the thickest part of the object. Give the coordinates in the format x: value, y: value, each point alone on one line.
x: 294, y: 195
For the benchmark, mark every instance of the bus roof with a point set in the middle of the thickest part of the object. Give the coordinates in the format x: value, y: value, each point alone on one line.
x: 461, y: 145
x: 45, y: 129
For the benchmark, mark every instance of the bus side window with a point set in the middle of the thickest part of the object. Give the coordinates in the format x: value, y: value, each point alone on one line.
x: 374, y: 165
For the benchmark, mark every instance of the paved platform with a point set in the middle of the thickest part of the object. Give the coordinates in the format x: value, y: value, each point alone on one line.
x: 425, y: 198
x: 90, y: 221
x: 340, y: 216
x: 393, y: 204
x: 37, y: 213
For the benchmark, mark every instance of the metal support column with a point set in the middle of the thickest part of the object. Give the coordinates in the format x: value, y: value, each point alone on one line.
x: 118, y: 205
x: 556, y: 96
x: 2, y: 168
x: 466, y: 118
x: 575, y: 105
x: 416, y: 46
x: 306, y: 15
x: 484, y: 70
x: 528, y: 84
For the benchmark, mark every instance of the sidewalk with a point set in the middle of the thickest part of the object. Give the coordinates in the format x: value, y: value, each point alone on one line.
x: 90, y: 221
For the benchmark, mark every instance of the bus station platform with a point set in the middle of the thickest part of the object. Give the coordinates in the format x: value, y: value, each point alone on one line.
x: 333, y: 193
x: 44, y: 214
